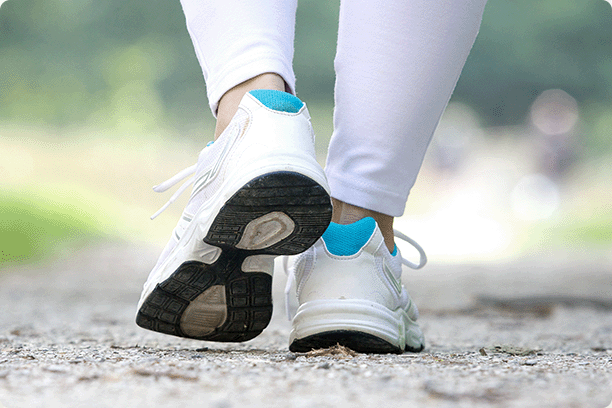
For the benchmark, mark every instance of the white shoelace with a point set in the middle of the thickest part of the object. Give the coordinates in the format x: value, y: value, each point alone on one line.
x: 422, y: 256
x: 160, y: 188
x: 290, y: 269
x: 178, y: 177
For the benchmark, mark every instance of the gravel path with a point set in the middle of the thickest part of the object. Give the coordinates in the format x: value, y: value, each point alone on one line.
x: 68, y: 339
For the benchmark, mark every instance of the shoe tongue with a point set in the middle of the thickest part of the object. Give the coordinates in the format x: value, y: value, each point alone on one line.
x: 345, y: 240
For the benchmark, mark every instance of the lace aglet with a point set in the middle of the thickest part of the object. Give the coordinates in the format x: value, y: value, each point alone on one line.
x: 161, y: 210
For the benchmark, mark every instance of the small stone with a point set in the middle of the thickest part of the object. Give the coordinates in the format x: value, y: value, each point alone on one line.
x: 55, y: 369
x: 513, y: 350
x: 88, y: 377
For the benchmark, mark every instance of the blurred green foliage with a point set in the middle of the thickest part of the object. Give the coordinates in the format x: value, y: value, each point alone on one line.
x: 526, y: 47
x: 32, y: 226
x: 128, y: 64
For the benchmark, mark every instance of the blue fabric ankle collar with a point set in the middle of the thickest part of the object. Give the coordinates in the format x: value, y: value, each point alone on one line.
x: 277, y: 100
x: 345, y: 240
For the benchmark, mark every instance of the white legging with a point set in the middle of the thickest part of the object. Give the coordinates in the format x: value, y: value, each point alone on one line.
x: 397, y: 63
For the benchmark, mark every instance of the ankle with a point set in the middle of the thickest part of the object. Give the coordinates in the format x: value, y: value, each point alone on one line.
x: 228, y: 104
x: 344, y: 213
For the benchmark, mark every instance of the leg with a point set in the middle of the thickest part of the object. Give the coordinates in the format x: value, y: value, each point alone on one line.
x: 258, y: 190
x: 228, y: 105
x: 236, y: 41
x: 397, y: 64
x: 345, y: 213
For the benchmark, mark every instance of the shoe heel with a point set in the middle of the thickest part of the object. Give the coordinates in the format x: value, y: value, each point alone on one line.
x: 279, y: 213
x: 359, y: 325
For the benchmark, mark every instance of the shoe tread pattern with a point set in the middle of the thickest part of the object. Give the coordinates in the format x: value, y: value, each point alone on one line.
x: 248, y: 295
x: 301, y: 198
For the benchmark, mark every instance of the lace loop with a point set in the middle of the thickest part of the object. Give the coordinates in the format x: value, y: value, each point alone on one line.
x: 422, y: 256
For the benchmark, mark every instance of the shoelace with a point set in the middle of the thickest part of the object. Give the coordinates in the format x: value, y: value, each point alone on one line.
x: 422, y: 256
x: 290, y: 269
x: 160, y: 188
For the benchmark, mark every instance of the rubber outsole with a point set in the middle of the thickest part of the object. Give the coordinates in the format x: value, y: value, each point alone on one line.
x: 248, y: 295
x: 354, y: 340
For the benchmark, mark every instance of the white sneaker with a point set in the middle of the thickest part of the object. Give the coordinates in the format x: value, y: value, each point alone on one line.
x: 349, y: 291
x: 258, y: 192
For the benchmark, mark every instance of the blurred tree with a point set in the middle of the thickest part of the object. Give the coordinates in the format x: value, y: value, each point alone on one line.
x: 130, y: 64
x: 525, y: 47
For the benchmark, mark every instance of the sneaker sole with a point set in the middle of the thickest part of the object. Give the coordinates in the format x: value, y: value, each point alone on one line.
x: 279, y: 213
x: 360, y: 325
x: 355, y: 340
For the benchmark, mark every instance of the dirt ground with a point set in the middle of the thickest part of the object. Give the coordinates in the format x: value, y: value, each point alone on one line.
x: 530, y: 333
